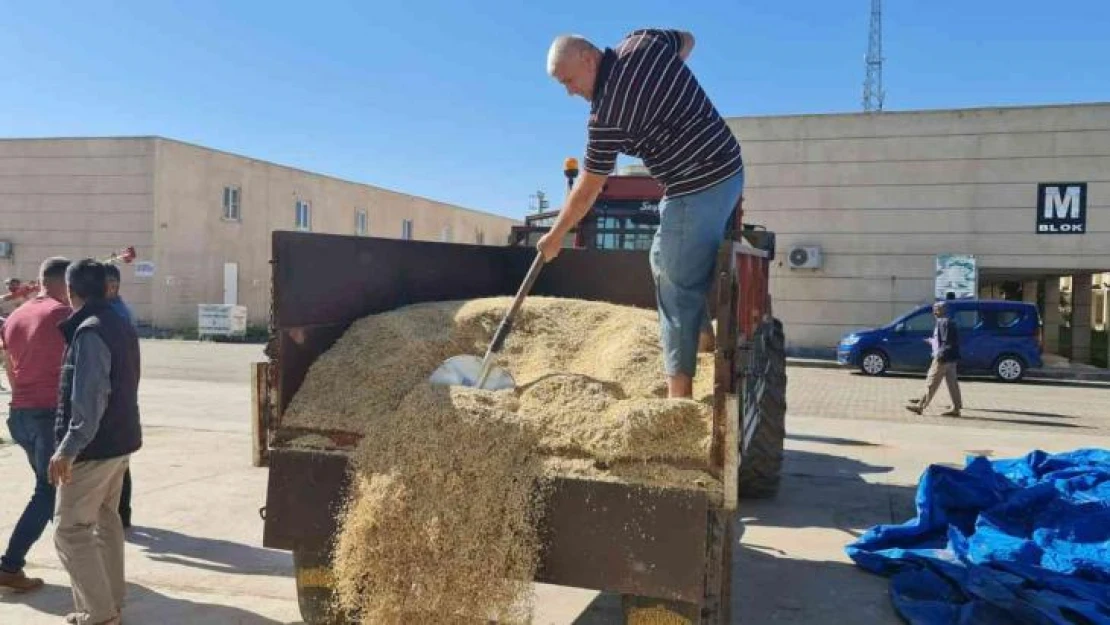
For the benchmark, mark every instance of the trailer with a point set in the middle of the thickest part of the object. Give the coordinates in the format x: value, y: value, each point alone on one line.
x: 680, y: 557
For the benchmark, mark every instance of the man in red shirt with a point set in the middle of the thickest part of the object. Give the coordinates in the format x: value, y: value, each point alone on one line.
x: 34, y: 346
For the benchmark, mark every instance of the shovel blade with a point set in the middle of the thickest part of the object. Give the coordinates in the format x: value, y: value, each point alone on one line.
x: 464, y: 371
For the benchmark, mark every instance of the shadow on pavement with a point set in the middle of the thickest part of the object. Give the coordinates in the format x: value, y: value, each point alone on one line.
x: 50, y: 599
x: 210, y: 554
x: 773, y: 589
x: 783, y: 576
x: 1026, y: 413
x: 605, y: 609
x: 1045, y: 424
x: 144, y: 606
x: 831, y: 440
x: 828, y: 491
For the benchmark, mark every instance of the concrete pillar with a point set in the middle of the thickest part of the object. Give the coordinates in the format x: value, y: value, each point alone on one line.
x: 1081, y: 318
x: 1052, y: 318
x: 1029, y: 291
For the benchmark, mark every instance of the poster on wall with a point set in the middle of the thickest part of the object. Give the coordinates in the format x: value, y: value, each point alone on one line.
x: 1062, y: 208
x: 958, y: 274
x: 144, y: 269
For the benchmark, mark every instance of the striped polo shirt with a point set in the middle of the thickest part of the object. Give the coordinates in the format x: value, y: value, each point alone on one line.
x: 647, y: 104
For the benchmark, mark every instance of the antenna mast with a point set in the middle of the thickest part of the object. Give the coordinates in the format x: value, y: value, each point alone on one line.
x: 873, y: 84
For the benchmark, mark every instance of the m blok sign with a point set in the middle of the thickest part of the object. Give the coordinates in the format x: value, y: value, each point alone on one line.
x: 1062, y: 208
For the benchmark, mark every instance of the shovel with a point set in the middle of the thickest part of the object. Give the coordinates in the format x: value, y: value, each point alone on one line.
x: 469, y: 370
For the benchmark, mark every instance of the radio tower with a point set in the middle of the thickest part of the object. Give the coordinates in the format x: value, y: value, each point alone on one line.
x: 873, y: 84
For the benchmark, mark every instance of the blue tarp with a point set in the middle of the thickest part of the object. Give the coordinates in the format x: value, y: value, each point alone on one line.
x: 1001, y: 542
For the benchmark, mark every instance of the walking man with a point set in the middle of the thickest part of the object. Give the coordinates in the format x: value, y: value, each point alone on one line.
x: 645, y: 102
x: 121, y: 309
x: 97, y: 429
x: 33, y: 347
x: 946, y: 357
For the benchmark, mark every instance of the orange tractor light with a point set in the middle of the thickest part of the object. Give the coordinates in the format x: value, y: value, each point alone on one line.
x: 570, y: 170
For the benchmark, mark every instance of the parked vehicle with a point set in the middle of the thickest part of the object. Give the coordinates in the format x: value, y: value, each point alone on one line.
x: 1003, y: 338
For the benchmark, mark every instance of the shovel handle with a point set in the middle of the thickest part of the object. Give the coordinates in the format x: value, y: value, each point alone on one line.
x: 507, y: 322
x: 525, y: 287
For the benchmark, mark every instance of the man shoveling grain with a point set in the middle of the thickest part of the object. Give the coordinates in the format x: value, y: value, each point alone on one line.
x: 645, y: 102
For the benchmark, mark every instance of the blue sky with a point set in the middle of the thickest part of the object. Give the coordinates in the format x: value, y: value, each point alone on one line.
x: 450, y: 100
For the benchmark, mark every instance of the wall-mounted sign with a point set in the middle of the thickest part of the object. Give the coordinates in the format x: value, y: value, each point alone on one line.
x: 957, y: 274
x: 1062, y: 208
x: 144, y: 269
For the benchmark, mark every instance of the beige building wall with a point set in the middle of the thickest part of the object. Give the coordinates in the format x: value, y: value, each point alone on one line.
x: 194, y: 241
x: 882, y: 194
x: 77, y: 198
x: 86, y: 197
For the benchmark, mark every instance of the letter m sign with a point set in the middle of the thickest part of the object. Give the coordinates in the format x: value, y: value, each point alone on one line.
x: 1062, y: 208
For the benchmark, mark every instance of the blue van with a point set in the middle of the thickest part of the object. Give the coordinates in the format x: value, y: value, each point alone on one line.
x: 1003, y: 338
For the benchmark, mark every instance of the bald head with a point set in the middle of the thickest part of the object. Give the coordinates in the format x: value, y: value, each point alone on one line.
x: 566, y: 47
x: 573, y: 61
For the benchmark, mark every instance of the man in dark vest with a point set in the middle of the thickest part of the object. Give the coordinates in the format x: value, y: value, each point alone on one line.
x: 96, y: 429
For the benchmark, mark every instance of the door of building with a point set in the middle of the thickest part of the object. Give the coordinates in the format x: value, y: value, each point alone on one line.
x: 231, y: 284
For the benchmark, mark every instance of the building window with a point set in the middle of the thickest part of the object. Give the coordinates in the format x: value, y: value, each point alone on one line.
x: 361, y: 223
x: 406, y: 229
x: 231, y: 204
x: 304, y: 215
x: 479, y: 237
x: 445, y: 234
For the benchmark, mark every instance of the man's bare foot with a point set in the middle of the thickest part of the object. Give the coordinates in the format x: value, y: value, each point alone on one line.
x: 680, y: 386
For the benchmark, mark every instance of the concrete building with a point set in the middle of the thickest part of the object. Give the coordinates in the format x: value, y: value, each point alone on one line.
x: 880, y: 196
x: 199, y: 219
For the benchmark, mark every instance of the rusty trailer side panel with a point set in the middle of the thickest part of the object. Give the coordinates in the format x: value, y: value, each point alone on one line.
x: 601, y: 535
x: 323, y: 283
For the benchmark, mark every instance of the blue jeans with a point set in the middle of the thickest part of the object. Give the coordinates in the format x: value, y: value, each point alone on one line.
x: 33, y: 429
x: 683, y: 257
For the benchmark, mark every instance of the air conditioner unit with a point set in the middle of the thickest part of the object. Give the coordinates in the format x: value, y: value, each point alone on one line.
x: 804, y: 257
x: 5, y: 249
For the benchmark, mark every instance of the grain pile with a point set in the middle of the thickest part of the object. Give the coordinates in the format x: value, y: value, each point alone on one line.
x: 588, y: 375
x: 440, y: 522
x: 441, y: 519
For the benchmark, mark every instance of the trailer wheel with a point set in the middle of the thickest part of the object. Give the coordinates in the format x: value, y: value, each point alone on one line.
x: 763, y: 424
x: 648, y: 611
x: 314, y: 588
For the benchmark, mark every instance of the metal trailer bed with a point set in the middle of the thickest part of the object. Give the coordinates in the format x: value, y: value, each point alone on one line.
x: 681, y: 555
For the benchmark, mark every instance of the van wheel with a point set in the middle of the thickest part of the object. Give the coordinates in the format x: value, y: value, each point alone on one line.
x: 874, y: 362
x: 1009, y: 368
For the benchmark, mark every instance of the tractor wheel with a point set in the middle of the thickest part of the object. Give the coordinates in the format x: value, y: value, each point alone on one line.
x: 763, y: 425
x: 314, y: 588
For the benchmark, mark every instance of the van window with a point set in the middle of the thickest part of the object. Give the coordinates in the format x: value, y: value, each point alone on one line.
x: 921, y: 322
x: 966, y: 319
x: 1008, y: 318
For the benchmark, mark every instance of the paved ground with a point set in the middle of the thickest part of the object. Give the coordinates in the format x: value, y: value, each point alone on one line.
x: 853, y: 457
x: 1040, y: 405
